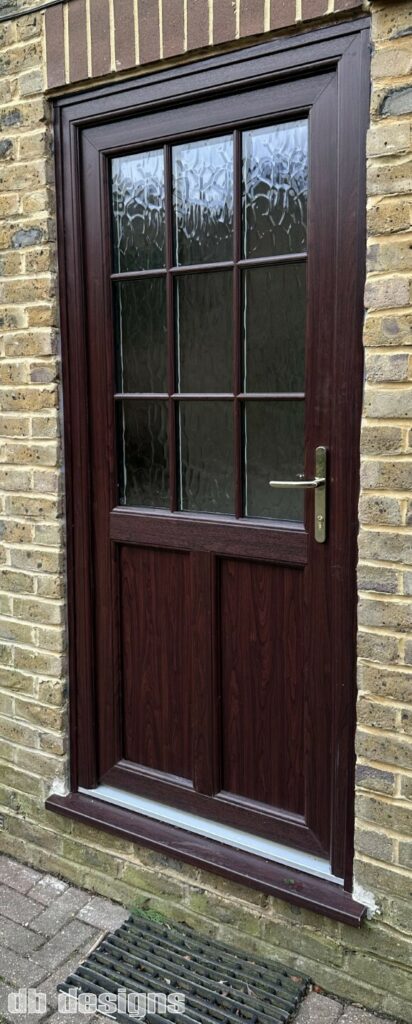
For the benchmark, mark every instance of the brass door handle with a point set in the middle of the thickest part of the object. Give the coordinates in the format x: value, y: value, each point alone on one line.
x: 318, y: 484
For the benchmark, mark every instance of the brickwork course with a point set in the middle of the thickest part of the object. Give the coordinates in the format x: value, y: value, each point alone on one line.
x: 372, y: 965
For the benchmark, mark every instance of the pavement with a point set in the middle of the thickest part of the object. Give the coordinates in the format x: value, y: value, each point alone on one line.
x: 47, y: 927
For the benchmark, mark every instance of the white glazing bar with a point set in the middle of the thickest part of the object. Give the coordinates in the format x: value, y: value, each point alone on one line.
x: 213, y: 830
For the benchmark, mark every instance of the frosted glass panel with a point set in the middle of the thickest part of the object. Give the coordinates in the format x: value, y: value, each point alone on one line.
x: 206, y: 456
x: 275, y: 189
x: 141, y: 352
x: 203, y: 200
x: 204, y: 331
x: 274, y: 318
x: 143, y: 456
x: 274, y: 450
x: 138, y: 211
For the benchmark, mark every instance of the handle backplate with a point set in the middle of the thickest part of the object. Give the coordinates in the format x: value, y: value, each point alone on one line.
x: 320, y: 495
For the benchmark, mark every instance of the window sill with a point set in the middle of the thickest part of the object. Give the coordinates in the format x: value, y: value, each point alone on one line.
x: 316, y: 894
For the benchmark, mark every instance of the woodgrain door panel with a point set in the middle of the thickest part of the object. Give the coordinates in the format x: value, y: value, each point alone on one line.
x: 155, y: 640
x: 261, y: 621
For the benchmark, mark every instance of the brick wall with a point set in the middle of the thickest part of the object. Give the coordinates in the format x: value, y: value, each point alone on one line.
x: 384, y: 746
x: 372, y: 965
x: 90, y: 38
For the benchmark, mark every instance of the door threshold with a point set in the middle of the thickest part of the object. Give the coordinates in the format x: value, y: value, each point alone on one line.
x: 319, y: 895
x: 233, y: 837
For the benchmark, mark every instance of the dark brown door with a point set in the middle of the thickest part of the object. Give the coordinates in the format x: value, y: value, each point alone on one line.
x: 222, y: 352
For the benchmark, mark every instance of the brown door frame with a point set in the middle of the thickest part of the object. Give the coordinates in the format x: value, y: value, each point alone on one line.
x: 345, y: 49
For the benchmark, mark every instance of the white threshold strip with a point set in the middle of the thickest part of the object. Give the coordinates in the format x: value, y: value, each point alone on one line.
x: 213, y: 830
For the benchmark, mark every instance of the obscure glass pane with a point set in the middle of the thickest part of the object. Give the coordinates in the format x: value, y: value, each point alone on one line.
x: 274, y: 317
x: 206, y: 456
x: 204, y: 331
x: 138, y: 211
x: 141, y: 351
x: 274, y: 450
x: 144, y: 470
x: 203, y: 200
x: 275, y: 185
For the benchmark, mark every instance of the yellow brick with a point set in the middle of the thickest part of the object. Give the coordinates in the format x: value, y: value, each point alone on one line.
x: 51, y: 638
x: 31, y: 343
x: 30, y: 399
x: 389, y: 138
x: 389, y: 215
x: 18, y: 632
x: 9, y: 205
x: 34, y: 506
x: 392, y: 61
x: 53, y: 743
x: 29, y: 26
x: 390, y: 20
x: 27, y: 289
x: 15, y: 479
x: 45, y: 426
x: 8, y: 34
x: 49, y: 534
x: 16, y: 582
x: 38, y: 714
x: 14, y: 373
x: 23, y: 454
x: 33, y: 146
x: 40, y: 261
x: 36, y: 559
x: 388, y: 329
x: 38, y: 662
x: 24, y: 176
x: 15, y: 532
x: 390, y: 254
x: 50, y: 586
x: 21, y: 57
x: 37, y: 202
x: 389, y: 177
x: 42, y: 316
x: 14, y: 426
x: 38, y: 611
x: 11, y: 264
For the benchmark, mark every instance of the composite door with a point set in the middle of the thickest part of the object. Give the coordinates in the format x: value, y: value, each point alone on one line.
x: 223, y: 386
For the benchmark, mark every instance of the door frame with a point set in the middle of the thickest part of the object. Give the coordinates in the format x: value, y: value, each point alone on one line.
x: 343, y: 48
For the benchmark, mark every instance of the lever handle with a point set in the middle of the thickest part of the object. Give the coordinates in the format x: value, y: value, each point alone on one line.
x: 318, y: 484
x: 304, y: 485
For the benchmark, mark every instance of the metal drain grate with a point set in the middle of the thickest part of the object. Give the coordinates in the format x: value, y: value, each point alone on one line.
x: 220, y: 984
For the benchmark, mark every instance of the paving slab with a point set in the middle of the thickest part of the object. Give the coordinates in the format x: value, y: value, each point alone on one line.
x: 60, y: 911
x: 49, y: 986
x: 65, y: 1018
x: 15, y: 936
x: 103, y: 914
x: 72, y: 937
x: 318, y: 1009
x: 47, y: 889
x: 16, y: 906
x: 355, y: 1015
x: 17, y: 876
x: 17, y: 1018
x: 18, y: 970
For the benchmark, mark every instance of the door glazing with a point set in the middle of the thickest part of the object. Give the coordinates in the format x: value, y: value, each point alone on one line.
x: 209, y: 276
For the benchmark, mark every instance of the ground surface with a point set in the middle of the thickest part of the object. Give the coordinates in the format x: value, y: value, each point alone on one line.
x: 47, y: 927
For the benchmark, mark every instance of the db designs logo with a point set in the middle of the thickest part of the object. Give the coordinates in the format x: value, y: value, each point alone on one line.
x: 136, y: 1004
